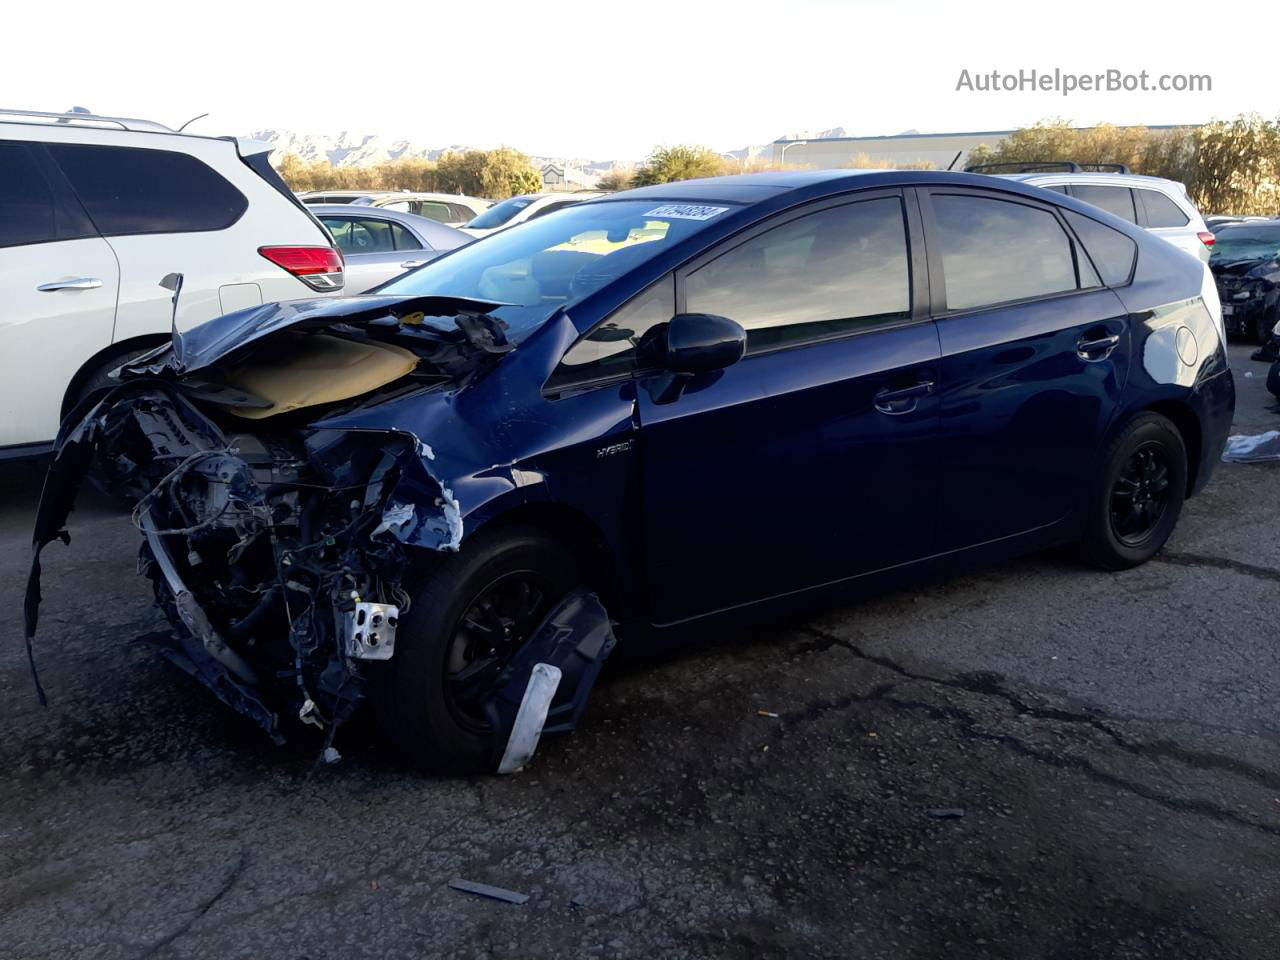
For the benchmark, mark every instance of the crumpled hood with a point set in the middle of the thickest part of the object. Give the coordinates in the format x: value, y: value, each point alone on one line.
x: 214, y: 340
x: 1259, y: 267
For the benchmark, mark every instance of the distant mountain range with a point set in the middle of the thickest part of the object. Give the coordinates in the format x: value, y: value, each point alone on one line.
x: 349, y: 149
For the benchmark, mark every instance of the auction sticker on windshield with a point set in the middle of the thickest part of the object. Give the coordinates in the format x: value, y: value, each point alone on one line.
x: 686, y: 211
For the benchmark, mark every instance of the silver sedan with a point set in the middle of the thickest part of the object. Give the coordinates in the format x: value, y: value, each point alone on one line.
x: 379, y: 244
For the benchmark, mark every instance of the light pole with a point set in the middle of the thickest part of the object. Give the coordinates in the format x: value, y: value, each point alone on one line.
x: 782, y: 154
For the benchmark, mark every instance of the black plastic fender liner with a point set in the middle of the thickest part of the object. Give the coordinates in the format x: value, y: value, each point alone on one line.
x: 576, y: 638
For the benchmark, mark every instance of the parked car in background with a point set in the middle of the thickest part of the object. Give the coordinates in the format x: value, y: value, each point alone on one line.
x: 1159, y: 205
x: 451, y: 209
x: 583, y: 421
x: 1246, y: 266
x: 310, y: 197
x: 1217, y: 221
x: 94, y: 211
x: 509, y: 212
x: 379, y: 243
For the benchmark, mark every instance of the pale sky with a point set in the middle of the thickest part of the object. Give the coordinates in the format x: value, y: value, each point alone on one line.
x: 610, y: 79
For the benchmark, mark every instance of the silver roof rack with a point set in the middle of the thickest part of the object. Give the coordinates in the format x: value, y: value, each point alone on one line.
x: 81, y: 120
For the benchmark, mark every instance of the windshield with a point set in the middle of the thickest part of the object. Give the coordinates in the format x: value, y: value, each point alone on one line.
x: 558, y: 259
x: 1246, y: 243
x: 500, y: 213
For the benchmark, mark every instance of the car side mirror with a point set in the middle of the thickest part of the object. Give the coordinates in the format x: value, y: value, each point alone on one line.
x: 701, y: 342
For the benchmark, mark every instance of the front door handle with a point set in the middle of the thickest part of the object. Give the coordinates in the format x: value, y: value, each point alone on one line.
x: 81, y: 283
x: 1098, y: 348
x: 410, y: 264
x: 902, y: 400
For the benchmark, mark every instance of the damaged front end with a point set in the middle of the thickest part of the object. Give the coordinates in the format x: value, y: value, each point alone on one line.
x: 278, y: 549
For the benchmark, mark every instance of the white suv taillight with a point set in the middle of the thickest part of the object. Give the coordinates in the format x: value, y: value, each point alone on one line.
x: 320, y: 268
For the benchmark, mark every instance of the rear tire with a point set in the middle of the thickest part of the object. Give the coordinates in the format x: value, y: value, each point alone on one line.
x: 425, y: 711
x: 1138, y: 494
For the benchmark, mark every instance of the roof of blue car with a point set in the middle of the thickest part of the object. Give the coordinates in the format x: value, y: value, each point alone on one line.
x: 753, y: 187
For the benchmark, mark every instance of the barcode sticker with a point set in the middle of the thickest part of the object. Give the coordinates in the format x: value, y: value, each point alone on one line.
x: 686, y: 211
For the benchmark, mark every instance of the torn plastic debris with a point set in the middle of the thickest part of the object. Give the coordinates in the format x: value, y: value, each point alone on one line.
x: 1256, y: 448
x: 569, y: 648
x: 398, y: 519
x: 530, y: 718
x: 488, y: 890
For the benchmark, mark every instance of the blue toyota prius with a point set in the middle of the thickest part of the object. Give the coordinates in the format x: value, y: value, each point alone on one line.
x: 454, y: 496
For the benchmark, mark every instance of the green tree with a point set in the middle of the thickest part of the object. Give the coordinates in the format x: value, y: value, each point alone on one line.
x: 496, y: 174
x: 616, y: 179
x: 681, y: 162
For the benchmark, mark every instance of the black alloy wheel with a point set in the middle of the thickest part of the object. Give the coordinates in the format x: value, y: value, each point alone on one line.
x: 1140, y: 494
x: 498, y: 621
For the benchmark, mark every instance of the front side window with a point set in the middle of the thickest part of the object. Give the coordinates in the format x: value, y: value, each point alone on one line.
x: 999, y: 250
x: 432, y: 210
x: 841, y: 269
x: 131, y: 190
x: 1115, y: 200
x: 609, y: 349
x: 1161, y: 211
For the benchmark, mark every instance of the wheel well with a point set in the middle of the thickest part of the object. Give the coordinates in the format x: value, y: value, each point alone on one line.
x: 1188, y: 425
x: 582, y: 538
x: 103, y: 358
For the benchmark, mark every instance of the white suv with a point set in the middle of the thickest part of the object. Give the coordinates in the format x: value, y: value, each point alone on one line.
x: 94, y: 211
x: 1161, y: 206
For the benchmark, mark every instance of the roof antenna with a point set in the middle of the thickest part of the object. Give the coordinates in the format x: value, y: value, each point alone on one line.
x: 173, y: 281
x: 954, y: 160
x: 191, y: 121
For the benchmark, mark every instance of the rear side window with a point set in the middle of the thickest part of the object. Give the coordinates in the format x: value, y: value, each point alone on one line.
x: 35, y: 205
x: 404, y: 240
x: 361, y: 235
x: 27, y: 210
x: 129, y: 190
x: 1115, y: 200
x: 1161, y: 211
x: 838, y: 270
x: 1110, y: 250
x: 999, y: 250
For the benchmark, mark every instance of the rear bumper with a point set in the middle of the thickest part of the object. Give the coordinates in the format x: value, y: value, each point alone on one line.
x: 1214, y: 402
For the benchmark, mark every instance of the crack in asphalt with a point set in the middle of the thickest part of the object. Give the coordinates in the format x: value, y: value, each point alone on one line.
x: 202, y: 908
x: 880, y: 694
x: 987, y: 684
x: 1177, y: 559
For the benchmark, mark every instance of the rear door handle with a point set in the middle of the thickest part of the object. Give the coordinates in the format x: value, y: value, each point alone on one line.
x: 902, y: 400
x: 81, y: 283
x: 1098, y: 348
x: 410, y: 264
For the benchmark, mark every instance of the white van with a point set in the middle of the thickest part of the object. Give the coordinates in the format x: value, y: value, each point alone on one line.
x: 94, y: 211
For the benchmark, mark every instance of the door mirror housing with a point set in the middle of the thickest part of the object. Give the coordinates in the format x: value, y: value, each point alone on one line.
x: 702, y: 342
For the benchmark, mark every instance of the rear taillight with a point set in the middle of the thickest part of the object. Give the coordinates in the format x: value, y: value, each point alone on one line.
x: 320, y: 268
x: 1207, y: 238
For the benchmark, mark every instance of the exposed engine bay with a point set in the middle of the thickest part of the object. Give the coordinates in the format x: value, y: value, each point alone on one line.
x: 278, y: 548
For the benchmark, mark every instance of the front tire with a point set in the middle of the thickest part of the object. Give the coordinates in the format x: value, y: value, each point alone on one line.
x: 468, y: 615
x: 1137, y: 497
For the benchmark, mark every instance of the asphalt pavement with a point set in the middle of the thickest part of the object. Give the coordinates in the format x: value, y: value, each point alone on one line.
x: 1031, y: 760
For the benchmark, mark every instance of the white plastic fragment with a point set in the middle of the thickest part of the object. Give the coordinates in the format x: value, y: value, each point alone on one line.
x: 544, y: 680
x: 331, y: 755
x: 1254, y: 448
